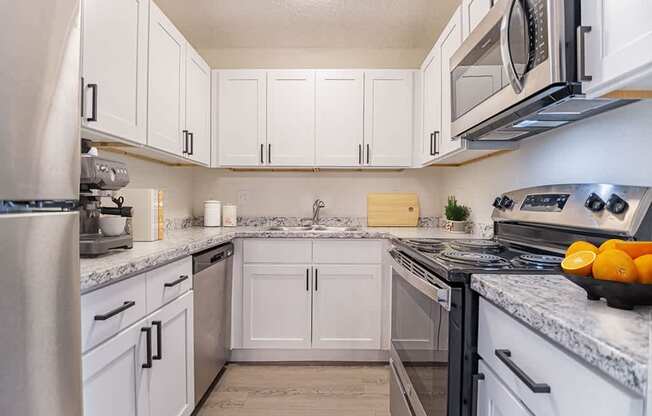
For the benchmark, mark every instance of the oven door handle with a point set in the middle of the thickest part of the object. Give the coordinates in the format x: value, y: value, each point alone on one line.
x: 435, y: 289
x: 505, y: 51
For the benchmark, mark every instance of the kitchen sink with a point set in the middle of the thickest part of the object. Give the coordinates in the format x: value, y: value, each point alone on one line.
x: 312, y: 228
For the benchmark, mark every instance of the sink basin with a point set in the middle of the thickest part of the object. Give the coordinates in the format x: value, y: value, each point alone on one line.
x: 312, y: 228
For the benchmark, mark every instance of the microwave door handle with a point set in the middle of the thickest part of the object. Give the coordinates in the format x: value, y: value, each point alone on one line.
x: 505, y: 51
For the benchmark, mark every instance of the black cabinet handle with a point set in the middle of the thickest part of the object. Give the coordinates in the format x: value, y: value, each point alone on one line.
x: 148, y: 344
x: 360, y: 154
x: 185, y: 141
x: 191, y: 136
x: 81, y: 103
x: 505, y: 357
x: 262, y: 149
x: 307, y: 280
x: 432, y: 144
x: 436, y: 141
x: 93, y: 116
x: 128, y: 304
x: 316, y: 280
x: 181, y: 278
x: 474, y: 399
x: 159, y: 340
x: 368, y: 152
x: 269, y: 153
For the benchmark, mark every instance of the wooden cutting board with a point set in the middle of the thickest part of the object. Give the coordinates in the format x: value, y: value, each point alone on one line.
x: 395, y: 209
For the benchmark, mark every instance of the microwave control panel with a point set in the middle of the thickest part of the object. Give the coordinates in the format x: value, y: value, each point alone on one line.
x: 537, y: 21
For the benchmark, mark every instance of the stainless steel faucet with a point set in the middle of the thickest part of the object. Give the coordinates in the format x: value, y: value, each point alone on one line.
x: 316, y: 207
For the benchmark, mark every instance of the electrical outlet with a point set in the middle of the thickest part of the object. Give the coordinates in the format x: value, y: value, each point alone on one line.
x: 243, y: 198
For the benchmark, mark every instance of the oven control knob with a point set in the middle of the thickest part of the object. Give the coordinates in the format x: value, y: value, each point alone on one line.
x: 496, y: 203
x: 617, y: 205
x: 594, y: 203
x: 506, y: 202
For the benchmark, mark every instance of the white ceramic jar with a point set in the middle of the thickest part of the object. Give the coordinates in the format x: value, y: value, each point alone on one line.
x: 212, y: 213
x: 230, y: 215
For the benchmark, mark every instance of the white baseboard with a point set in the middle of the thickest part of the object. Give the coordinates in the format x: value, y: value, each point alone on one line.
x: 270, y: 355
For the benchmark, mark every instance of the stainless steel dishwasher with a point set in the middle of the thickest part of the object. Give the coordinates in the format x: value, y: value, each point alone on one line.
x: 212, y: 304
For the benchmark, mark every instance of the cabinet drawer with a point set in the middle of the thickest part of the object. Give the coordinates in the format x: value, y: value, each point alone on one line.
x: 279, y: 251
x: 347, y: 251
x: 107, y: 311
x: 168, y: 283
x: 574, y: 387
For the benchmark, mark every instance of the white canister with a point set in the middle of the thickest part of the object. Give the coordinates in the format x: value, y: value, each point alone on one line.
x: 212, y: 213
x: 230, y: 215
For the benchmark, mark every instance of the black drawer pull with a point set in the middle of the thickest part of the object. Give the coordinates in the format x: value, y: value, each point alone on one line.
x: 505, y: 357
x: 93, y: 116
x: 159, y: 340
x: 148, y: 344
x: 181, y: 279
x: 116, y: 311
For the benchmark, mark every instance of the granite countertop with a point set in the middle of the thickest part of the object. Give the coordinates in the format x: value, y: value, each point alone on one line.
x: 104, y: 270
x: 614, y: 341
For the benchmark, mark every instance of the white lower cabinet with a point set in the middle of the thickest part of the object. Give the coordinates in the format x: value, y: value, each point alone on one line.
x: 495, y: 399
x: 346, y: 306
x: 276, y: 306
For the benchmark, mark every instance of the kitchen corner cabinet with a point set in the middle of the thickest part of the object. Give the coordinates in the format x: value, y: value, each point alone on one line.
x: 276, y: 308
x: 198, y: 108
x: 618, y: 45
x: 114, y: 69
x: 339, y: 118
x: 388, y: 118
x: 291, y: 118
x: 167, y: 85
x: 473, y: 11
x: 241, y: 122
x: 346, y: 306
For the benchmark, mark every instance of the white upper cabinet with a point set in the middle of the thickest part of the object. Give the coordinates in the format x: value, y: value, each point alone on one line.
x: 241, y: 117
x: 291, y: 118
x: 198, y: 108
x: 431, y: 105
x: 388, y: 118
x: 114, y: 68
x: 618, y: 45
x: 339, y: 118
x: 473, y: 11
x: 451, y: 40
x: 167, y: 84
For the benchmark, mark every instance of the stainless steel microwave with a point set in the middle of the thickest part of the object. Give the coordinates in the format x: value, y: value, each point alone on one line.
x: 519, y: 72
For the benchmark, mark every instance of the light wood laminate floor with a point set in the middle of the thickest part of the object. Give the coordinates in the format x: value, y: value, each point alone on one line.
x: 250, y: 390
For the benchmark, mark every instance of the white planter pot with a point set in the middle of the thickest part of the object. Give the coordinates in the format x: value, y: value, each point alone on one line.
x: 456, y: 226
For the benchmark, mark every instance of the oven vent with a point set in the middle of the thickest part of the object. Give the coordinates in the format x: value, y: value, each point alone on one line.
x: 412, y: 266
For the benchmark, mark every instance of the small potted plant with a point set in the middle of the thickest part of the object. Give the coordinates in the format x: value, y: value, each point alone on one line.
x: 456, y: 216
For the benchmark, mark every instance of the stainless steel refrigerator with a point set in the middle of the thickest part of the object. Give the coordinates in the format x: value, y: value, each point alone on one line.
x: 40, y: 347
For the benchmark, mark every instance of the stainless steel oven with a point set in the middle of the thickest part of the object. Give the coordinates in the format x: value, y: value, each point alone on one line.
x: 519, y: 72
x: 426, y: 353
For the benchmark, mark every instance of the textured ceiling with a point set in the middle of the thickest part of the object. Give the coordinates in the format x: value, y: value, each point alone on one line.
x: 216, y: 24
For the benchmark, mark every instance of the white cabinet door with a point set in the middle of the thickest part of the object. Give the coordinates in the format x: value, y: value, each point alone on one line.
x: 291, y: 118
x: 114, y: 65
x: 451, y: 40
x: 241, y: 117
x: 494, y: 399
x: 167, y: 83
x: 171, y: 381
x: 198, y: 107
x: 388, y: 118
x: 431, y: 105
x: 618, y: 45
x: 114, y: 377
x: 473, y: 11
x: 276, y: 306
x: 339, y: 120
x: 346, y: 306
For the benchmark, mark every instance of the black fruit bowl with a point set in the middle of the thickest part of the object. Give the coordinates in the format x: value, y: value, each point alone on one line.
x: 618, y: 295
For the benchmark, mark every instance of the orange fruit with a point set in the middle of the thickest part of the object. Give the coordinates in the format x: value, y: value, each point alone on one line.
x: 616, y: 265
x: 609, y: 244
x: 581, y: 246
x: 644, y: 269
x: 579, y: 264
x: 635, y: 248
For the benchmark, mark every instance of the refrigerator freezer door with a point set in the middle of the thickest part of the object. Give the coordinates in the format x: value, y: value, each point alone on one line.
x: 40, y: 324
x: 39, y: 100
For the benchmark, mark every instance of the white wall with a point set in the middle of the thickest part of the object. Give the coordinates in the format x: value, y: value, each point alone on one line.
x: 614, y: 147
x: 292, y: 193
x: 176, y: 182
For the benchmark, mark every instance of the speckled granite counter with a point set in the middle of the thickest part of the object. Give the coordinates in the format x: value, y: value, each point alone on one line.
x: 144, y: 256
x: 614, y: 341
